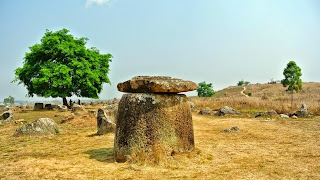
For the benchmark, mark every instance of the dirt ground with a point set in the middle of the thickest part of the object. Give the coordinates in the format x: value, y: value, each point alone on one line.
x: 261, y: 149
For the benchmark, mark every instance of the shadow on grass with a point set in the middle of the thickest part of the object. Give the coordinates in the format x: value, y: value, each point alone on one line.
x: 92, y: 135
x: 102, y: 155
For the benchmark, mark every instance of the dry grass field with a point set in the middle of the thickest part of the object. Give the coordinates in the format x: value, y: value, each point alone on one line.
x: 261, y: 149
x: 264, y: 97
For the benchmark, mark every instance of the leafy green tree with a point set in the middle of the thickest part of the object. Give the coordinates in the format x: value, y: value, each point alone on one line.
x: 205, y: 90
x: 243, y: 83
x: 292, y: 74
x: 62, y: 66
x: 8, y: 100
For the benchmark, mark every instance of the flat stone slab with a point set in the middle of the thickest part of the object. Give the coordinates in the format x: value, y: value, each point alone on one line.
x: 156, y: 84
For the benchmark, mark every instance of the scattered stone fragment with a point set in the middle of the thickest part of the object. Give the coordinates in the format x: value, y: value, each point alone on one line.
x: 226, y: 130
x: 68, y: 118
x: 206, y: 111
x: 38, y: 107
x: 227, y: 110
x: 294, y: 117
x: 92, y: 112
x: 156, y: 84
x: 302, y: 112
x: 234, y: 128
x: 104, y: 125
x: 42, y: 126
x: 284, y: 116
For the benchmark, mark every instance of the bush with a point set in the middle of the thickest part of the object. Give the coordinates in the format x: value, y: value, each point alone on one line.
x: 243, y: 83
x: 249, y: 94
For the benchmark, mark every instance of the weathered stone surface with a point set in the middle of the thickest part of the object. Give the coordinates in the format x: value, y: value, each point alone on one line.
x: 156, y: 84
x: 104, y: 124
x: 269, y: 113
x: 111, y: 112
x: 38, y: 106
x: 153, y: 126
x: 226, y: 110
x: 62, y: 108
x: 206, y: 111
x: 192, y: 105
x: 42, y: 126
x: 6, y: 116
x: 294, y: 117
x: 77, y: 107
x: 303, y: 111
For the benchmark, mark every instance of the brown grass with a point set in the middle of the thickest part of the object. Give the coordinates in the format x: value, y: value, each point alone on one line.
x: 276, y: 149
x: 264, y: 97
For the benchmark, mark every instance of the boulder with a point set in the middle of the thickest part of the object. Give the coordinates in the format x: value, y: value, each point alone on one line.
x: 62, y: 108
x: 104, y: 124
x: 77, y: 107
x: 6, y: 116
x: 42, y: 126
x: 38, y: 107
x: 226, y: 110
x: 156, y: 84
x: 302, y: 112
x: 153, y: 126
x: 206, y: 111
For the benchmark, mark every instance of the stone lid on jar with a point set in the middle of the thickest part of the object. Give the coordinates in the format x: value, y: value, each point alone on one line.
x: 156, y: 84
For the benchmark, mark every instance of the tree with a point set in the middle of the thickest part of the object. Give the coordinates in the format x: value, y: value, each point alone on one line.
x: 61, y: 66
x: 243, y: 83
x: 205, y: 90
x: 8, y: 100
x: 292, y: 74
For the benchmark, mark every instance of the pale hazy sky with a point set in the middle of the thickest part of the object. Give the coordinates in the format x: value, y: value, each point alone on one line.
x: 220, y: 42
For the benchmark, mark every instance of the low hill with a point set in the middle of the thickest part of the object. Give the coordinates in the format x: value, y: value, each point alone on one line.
x: 264, y: 97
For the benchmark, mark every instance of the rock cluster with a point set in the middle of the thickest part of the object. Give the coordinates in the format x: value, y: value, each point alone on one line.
x: 153, y: 121
x: 303, y: 111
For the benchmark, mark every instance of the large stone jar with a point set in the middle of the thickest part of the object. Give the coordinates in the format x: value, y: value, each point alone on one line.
x: 152, y: 126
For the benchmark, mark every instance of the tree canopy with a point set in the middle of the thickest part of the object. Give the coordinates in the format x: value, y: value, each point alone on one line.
x: 292, y: 74
x: 243, y: 83
x: 61, y: 66
x: 8, y: 100
x: 205, y: 90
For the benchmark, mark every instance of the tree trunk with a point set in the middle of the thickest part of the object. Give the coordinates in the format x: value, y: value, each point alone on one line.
x: 65, y: 102
x: 291, y: 99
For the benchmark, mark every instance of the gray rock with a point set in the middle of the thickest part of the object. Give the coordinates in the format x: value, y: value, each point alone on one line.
x: 303, y: 111
x: 226, y: 130
x: 269, y: 113
x: 104, y: 125
x: 206, y: 111
x: 226, y: 110
x: 48, y: 107
x: 42, y: 126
